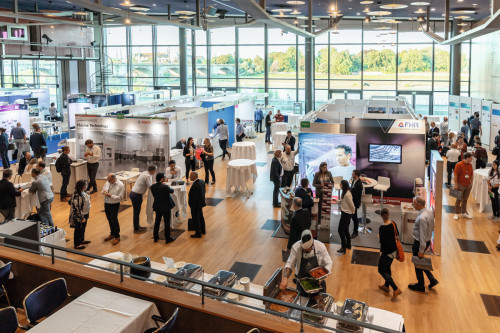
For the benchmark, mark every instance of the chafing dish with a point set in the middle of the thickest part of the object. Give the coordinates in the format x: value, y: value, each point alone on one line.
x: 354, y: 310
x: 188, y: 270
x: 319, y: 273
x: 272, y: 290
x: 322, y: 302
x: 222, y: 278
x: 310, y: 285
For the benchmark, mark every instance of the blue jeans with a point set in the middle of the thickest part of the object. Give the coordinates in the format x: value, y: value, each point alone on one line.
x: 44, y: 212
x: 268, y: 133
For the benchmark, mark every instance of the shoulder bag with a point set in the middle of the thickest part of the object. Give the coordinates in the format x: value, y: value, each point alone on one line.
x: 400, y: 254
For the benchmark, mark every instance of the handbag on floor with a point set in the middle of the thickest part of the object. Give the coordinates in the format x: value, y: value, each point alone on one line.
x: 400, y: 253
x: 422, y: 263
x: 456, y: 194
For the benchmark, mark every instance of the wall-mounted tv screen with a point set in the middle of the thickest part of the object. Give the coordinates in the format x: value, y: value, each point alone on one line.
x: 380, y: 153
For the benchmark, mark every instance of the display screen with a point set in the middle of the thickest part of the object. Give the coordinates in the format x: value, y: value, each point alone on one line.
x: 379, y: 153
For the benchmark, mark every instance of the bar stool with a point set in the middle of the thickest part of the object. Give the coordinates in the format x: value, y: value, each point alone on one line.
x: 383, y: 185
x: 365, y: 199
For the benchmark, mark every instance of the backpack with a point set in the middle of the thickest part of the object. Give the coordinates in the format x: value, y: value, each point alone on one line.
x: 496, y: 151
x: 58, y: 165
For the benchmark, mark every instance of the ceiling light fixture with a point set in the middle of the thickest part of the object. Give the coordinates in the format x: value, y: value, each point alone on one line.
x: 127, y: 3
x: 139, y: 8
x: 367, y: 19
x: 394, y: 6
x: 281, y: 10
x: 463, y: 24
x: 379, y: 13
x: 462, y: 17
x: 366, y: 10
x: 421, y: 3
x: 420, y: 11
x: 463, y: 11
x: 295, y: 12
x: 295, y: 3
x: 366, y: 2
x: 127, y: 21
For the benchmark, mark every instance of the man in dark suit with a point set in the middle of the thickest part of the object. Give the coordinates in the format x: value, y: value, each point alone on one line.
x: 276, y: 177
x: 63, y: 164
x: 357, y: 192
x: 8, y: 196
x: 289, y: 140
x: 305, y: 193
x: 196, y: 201
x: 301, y: 220
x: 23, y: 162
x: 162, y: 206
x: 181, y: 144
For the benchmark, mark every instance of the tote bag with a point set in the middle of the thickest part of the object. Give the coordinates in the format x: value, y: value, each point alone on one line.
x: 400, y: 254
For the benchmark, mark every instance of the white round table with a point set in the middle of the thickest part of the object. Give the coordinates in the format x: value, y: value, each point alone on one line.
x: 245, y: 150
x: 239, y: 173
x: 278, y: 138
x: 179, y: 197
x: 278, y: 127
x: 249, y: 131
x: 479, y: 189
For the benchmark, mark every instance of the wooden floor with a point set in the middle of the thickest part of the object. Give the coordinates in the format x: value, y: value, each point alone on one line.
x: 234, y: 234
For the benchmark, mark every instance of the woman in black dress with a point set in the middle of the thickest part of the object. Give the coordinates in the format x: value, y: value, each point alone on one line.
x: 387, y: 234
x: 190, y: 157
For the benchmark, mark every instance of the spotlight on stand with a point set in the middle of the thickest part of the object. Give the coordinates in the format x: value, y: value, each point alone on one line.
x: 47, y: 38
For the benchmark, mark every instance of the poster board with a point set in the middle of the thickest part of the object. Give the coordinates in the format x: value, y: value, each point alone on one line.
x: 136, y: 136
x: 486, y: 122
x: 454, y: 122
x: 495, y: 123
x: 77, y: 106
x: 435, y: 200
x: 465, y: 108
x: 10, y: 115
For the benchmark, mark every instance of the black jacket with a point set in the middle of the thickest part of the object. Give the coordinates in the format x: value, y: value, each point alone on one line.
x: 301, y: 220
x: 431, y: 145
x: 307, y: 200
x: 8, y: 194
x: 37, y: 140
x: 65, y: 163
x: 196, y: 197
x: 357, y: 192
x: 290, y: 141
x: 275, y: 170
x: 179, y: 145
x: 163, y: 201
x: 186, y: 151
x: 268, y: 119
x: 22, y: 165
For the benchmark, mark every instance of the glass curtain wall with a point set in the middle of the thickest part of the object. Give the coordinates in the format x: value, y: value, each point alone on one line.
x: 357, y: 61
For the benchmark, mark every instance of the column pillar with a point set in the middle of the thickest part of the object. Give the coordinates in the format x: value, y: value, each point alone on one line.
x: 183, y: 61
x: 456, y: 60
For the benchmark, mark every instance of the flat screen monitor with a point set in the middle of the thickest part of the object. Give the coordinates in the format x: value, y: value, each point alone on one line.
x: 381, y: 153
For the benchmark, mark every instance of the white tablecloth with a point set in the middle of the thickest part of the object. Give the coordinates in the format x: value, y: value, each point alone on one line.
x: 179, y: 197
x: 278, y: 139
x: 294, y: 120
x: 99, y: 310
x: 239, y: 173
x: 25, y: 203
x: 57, y: 238
x: 244, y: 150
x: 278, y: 127
x: 127, y: 177
x: 480, y: 188
x: 249, y: 131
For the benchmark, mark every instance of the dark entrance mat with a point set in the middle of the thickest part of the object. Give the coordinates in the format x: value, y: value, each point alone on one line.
x: 271, y: 225
x: 492, y: 304
x: 449, y: 209
x: 244, y: 269
x: 368, y: 258
x: 213, y: 201
x: 473, y: 246
x: 279, y: 233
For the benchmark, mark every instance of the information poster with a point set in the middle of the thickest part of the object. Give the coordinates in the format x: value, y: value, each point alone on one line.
x: 454, y: 113
x: 32, y: 106
x: 77, y: 106
x: 337, y: 150
x: 43, y: 96
x: 465, y: 108
x: 495, y: 123
x: 10, y: 115
x: 486, y: 123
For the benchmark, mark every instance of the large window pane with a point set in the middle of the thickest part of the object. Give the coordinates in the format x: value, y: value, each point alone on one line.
x: 167, y: 35
x: 349, y: 32
x: 345, y: 62
x: 142, y: 62
x: 201, y: 62
x: 282, y: 99
x: 277, y: 36
x: 415, y: 85
x: 464, y: 75
x: 379, y: 34
x: 283, y: 83
x: 201, y: 37
x: 116, y: 36
x: 251, y: 36
x: 118, y: 56
x: 345, y: 84
x: 441, y: 103
x: 415, y: 62
x: 248, y: 83
x: 141, y: 35
x: 223, y: 62
x: 222, y: 36
x: 282, y: 61
x: 409, y: 33
x: 379, y: 62
x: 251, y: 61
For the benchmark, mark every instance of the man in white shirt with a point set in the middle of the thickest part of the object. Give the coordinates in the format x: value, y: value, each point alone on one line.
x: 287, y: 160
x: 113, y: 194
x: 173, y: 172
x: 141, y: 186
x: 452, y: 157
x: 92, y: 155
x: 41, y: 187
x: 44, y: 171
x: 305, y: 255
x: 343, y: 155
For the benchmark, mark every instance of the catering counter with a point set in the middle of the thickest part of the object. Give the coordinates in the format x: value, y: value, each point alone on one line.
x: 286, y: 212
x: 78, y: 171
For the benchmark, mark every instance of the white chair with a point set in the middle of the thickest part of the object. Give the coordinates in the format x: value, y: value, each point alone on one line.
x: 365, y: 199
x: 135, y: 170
x: 383, y: 185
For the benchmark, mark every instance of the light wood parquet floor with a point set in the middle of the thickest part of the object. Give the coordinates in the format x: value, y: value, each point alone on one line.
x: 234, y: 234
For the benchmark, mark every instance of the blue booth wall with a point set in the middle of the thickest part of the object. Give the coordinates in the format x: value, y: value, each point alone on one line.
x: 227, y: 114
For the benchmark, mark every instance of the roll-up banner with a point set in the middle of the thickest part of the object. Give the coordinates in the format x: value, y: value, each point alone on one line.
x: 486, y: 122
x: 454, y: 113
x: 495, y: 123
x: 134, y: 138
x: 465, y: 108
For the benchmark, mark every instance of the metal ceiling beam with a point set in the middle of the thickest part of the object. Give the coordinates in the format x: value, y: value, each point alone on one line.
x: 33, y: 19
x: 125, y: 13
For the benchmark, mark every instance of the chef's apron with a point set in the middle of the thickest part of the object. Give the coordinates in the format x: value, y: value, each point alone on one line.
x: 306, y: 264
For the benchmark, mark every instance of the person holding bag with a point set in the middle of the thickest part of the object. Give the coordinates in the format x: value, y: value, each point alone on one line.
x: 347, y: 208
x: 389, y: 237
x: 79, y: 213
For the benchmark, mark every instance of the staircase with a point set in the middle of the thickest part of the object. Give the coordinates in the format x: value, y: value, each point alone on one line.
x: 103, y: 71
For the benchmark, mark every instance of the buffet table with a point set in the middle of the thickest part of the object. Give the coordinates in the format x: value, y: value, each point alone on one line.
x: 375, y: 316
x: 127, y: 177
x: 179, y: 197
x: 78, y: 171
x: 278, y: 127
x: 239, y: 173
x: 479, y: 189
x: 278, y: 139
x: 100, y: 310
x: 244, y: 150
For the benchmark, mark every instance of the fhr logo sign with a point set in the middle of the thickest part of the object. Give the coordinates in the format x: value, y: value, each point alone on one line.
x: 408, y: 124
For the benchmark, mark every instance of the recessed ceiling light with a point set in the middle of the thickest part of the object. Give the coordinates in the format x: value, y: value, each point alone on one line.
x: 379, y: 13
x: 420, y: 3
x: 366, y: 2
x: 393, y: 21
x: 358, y: 14
x: 463, y: 11
x: 420, y: 11
x: 474, y: 4
x: 394, y: 6
x: 185, y: 17
x: 462, y: 17
x: 109, y: 20
x: 281, y: 10
x: 433, y: 9
x: 295, y: 2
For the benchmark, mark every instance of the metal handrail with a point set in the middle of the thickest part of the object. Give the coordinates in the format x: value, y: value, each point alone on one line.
x: 203, y: 285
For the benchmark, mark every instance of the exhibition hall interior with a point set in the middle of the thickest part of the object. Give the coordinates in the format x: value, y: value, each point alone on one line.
x: 249, y: 166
